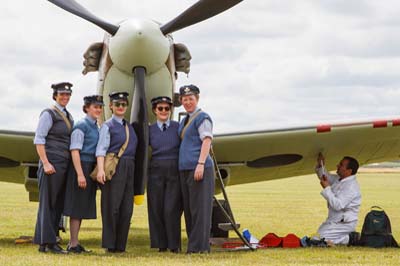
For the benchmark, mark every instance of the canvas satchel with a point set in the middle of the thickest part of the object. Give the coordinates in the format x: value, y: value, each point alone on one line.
x: 111, y: 160
x: 189, y: 122
x: 64, y: 117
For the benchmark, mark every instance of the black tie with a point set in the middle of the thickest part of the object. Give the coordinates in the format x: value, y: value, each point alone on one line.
x: 67, y: 114
x: 164, y: 127
x: 186, y: 120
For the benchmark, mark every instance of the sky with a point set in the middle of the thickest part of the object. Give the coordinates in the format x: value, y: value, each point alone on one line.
x: 260, y: 65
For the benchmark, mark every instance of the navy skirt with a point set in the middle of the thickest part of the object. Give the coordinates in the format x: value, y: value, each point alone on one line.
x: 80, y: 203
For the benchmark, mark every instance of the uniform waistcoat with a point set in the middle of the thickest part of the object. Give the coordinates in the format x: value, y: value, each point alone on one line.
x: 59, y: 136
x: 118, y: 137
x: 91, y: 138
x: 190, y: 148
x: 164, y: 144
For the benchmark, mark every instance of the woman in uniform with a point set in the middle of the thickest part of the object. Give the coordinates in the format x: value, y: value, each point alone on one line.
x: 80, y: 196
x: 196, y: 170
x: 117, y: 193
x: 52, y: 139
x: 163, y: 187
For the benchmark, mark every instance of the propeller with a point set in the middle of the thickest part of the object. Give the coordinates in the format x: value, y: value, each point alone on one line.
x: 198, y: 12
x: 140, y: 122
x: 78, y: 10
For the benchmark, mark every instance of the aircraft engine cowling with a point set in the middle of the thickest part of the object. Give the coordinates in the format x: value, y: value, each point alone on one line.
x: 139, y: 43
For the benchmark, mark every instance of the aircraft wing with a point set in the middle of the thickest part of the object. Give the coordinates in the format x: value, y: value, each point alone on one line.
x: 18, y: 159
x: 265, y: 155
x: 247, y: 157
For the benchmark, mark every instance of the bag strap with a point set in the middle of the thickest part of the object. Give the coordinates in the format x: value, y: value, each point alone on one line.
x: 190, y: 121
x: 121, y: 151
x: 64, y: 117
x: 376, y: 208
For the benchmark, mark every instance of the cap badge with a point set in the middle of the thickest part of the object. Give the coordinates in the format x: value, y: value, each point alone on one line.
x: 187, y: 89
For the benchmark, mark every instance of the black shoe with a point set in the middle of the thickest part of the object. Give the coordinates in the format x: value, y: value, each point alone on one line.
x: 42, y: 248
x: 162, y: 250
x: 354, y: 238
x: 75, y: 249
x: 318, y: 243
x: 110, y: 250
x: 198, y: 252
x: 56, y: 249
x: 119, y: 251
x: 175, y: 250
x: 83, y: 249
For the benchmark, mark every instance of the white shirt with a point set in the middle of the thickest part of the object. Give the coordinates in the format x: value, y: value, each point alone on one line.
x: 104, y: 137
x: 78, y: 137
x: 343, y: 197
x: 45, y: 124
x: 205, y: 128
x: 160, y: 124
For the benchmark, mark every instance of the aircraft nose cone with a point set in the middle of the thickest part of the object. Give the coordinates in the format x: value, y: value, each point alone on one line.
x: 139, y: 43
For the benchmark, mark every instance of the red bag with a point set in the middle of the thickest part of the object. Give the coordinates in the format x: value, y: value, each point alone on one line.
x: 291, y: 241
x: 270, y: 240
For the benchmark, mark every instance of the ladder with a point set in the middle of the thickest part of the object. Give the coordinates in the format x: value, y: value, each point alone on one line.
x: 228, y: 211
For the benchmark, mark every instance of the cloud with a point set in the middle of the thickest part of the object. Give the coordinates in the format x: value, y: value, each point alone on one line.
x: 260, y: 65
x: 362, y: 8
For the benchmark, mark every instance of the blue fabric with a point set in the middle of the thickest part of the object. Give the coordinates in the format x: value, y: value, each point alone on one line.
x: 164, y: 144
x: 58, y: 136
x: 104, y: 137
x: 205, y: 128
x: 44, y: 125
x: 160, y: 124
x: 77, y: 138
x: 91, y: 137
x: 191, y: 143
x: 104, y: 141
x: 118, y: 137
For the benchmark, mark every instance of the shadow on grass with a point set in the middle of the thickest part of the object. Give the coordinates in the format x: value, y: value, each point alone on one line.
x: 8, y: 241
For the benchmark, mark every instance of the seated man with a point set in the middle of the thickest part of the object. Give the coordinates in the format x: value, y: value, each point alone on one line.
x: 343, y: 196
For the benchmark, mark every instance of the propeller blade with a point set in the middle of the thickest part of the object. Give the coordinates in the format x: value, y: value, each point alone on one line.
x: 78, y: 10
x: 198, y: 12
x: 140, y: 122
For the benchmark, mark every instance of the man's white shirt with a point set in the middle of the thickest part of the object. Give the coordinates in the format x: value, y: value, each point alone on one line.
x: 344, y: 199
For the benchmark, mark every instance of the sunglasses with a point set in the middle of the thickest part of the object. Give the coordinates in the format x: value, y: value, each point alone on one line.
x: 161, y: 108
x: 117, y: 104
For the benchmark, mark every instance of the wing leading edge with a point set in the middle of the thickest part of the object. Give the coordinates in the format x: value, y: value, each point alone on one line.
x: 251, y: 156
x: 265, y: 155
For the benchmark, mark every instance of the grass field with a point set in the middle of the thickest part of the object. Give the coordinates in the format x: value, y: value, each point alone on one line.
x: 283, y: 206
